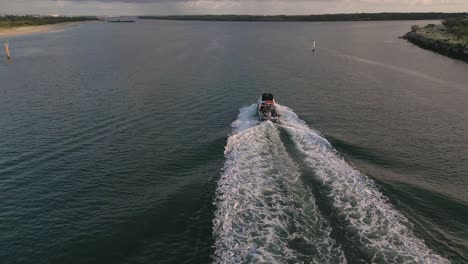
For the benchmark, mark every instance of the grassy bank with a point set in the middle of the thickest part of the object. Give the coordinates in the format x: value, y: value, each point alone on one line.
x: 449, y: 38
x: 19, y: 21
x: 451, y: 31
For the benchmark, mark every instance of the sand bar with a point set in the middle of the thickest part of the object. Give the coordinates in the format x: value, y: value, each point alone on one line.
x: 18, y: 31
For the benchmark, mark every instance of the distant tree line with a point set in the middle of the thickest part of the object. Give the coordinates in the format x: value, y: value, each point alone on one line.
x: 457, y: 26
x: 328, y: 17
x: 16, y: 21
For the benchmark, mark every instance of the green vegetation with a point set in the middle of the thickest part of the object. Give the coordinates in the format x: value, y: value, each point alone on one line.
x: 453, y: 31
x: 449, y: 38
x: 457, y: 27
x: 328, y: 17
x: 17, y: 21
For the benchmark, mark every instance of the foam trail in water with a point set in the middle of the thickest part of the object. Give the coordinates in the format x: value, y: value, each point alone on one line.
x: 384, y: 234
x: 264, y: 212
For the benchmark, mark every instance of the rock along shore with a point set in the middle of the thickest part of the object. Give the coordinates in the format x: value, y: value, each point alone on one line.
x: 455, y: 51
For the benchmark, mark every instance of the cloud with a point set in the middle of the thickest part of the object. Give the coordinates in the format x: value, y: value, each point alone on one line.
x: 166, y: 1
x: 376, y: 2
x: 253, y: 7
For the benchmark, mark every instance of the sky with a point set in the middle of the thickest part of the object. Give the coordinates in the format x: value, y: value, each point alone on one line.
x: 251, y: 7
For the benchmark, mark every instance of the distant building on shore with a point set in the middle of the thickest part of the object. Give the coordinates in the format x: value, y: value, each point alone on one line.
x: 121, y: 19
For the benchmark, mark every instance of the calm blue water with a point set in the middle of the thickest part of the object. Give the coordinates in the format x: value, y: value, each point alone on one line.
x: 138, y: 143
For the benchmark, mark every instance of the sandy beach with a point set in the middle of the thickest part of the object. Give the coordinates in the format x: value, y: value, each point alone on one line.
x: 18, y: 31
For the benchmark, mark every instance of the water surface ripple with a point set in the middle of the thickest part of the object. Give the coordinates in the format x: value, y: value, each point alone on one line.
x: 116, y: 145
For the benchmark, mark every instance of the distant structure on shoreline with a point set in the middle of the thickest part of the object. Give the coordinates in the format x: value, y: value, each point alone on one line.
x: 121, y: 19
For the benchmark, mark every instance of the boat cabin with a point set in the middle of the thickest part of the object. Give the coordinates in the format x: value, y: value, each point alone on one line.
x: 266, y: 108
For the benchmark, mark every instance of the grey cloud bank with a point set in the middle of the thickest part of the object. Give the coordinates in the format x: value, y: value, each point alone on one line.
x: 252, y: 7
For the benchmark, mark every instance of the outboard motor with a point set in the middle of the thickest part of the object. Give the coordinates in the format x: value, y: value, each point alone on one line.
x: 266, y: 108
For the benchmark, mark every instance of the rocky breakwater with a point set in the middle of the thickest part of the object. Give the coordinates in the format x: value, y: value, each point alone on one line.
x: 440, y: 45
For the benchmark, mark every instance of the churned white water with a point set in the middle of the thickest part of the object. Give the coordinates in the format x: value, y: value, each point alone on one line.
x: 264, y: 212
x: 383, y: 233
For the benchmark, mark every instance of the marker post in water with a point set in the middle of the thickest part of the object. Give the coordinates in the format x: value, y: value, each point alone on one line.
x: 7, y: 49
x: 313, y: 46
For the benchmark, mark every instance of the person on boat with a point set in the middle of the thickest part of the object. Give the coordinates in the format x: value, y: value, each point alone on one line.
x: 273, y: 111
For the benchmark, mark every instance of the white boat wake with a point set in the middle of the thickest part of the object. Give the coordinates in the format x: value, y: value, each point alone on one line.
x: 265, y: 213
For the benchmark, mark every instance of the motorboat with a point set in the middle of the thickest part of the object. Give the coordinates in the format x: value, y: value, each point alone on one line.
x: 266, y: 108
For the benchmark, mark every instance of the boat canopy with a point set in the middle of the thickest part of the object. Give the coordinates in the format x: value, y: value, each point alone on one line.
x: 267, y: 97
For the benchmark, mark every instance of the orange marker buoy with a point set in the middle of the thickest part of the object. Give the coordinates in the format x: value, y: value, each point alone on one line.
x: 7, y: 49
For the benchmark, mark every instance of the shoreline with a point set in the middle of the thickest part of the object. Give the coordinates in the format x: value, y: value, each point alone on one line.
x: 454, y: 51
x: 312, y: 18
x: 27, y: 30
